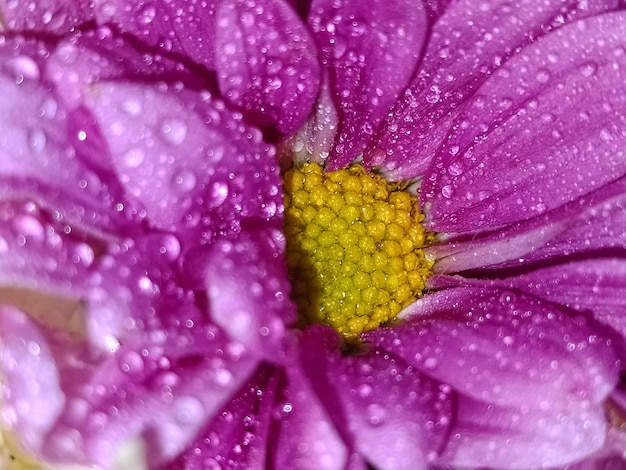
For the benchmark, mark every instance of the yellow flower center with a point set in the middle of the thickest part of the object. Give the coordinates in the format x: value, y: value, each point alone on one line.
x: 354, y: 247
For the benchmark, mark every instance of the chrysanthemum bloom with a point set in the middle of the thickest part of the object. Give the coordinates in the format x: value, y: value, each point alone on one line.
x: 145, y: 300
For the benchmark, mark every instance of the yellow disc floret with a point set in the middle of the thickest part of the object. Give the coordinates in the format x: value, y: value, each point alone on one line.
x: 354, y: 247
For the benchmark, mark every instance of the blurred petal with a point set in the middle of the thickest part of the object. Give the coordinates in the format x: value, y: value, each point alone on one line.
x: 494, y: 437
x: 537, y: 140
x: 592, y: 223
x: 237, y: 437
x: 503, y: 348
x: 56, y: 16
x: 266, y: 62
x: 371, y: 49
x: 31, y: 395
x: 307, y: 437
x: 397, y: 417
x: 248, y: 291
x: 176, y: 163
x: 467, y: 44
x: 38, y: 131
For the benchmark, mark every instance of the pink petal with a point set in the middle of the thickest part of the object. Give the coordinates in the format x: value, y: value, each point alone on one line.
x: 307, y: 437
x: 591, y: 285
x: 266, y: 62
x: 592, y: 223
x: 467, y: 44
x: 248, y: 291
x: 504, y: 348
x: 31, y: 395
x: 494, y: 437
x: 237, y: 437
x: 545, y: 119
x: 371, y: 49
x: 398, y: 418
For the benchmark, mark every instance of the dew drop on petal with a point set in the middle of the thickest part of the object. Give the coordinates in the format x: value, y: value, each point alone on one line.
x: 219, y: 193
x: 147, y: 14
x: 37, y: 140
x: 134, y: 157
x: 188, y: 410
x: 174, y: 131
x: 131, y: 362
x: 184, y: 180
x: 376, y: 414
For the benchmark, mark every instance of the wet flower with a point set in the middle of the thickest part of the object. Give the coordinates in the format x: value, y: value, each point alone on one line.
x: 144, y: 291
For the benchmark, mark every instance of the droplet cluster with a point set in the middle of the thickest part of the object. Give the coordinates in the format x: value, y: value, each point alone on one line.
x: 354, y: 247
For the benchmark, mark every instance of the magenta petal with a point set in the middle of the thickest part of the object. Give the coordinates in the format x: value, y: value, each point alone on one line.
x: 545, y: 119
x: 185, y: 159
x: 504, y: 348
x: 495, y: 437
x: 594, y: 285
x: 306, y: 438
x: 592, y: 223
x: 32, y: 398
x: 38, y: 131
x: 371, y: 49
x: 467, y: 44
x: 397, y: 417
x: 237, y: 437
x: 266, y: 62
x: 248, y: 291
x: 56, y: 16
x: 164, y: 387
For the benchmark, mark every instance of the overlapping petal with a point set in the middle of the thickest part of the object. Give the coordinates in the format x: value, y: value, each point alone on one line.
x: 266, y: 62
x: 496, y: 437
x: 394, y: 417
x: 371, y: 50
x: 468, y: 43
x: 532, y: 130
x: 510, y: 342
x: 248, y: 291
x: 590, y: 225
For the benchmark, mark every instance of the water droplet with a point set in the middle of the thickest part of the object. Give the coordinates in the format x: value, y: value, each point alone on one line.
x: 131, y: 362
x: 174, y: 131
x: 219, y: 193
x: 134, y: 157
x: 376, y: 414
x: 588, y: 69
x: 455, y: 168
x: 22, y: 67
x: 447, y: 191
x: 543, y: 75
x: 147, y: 14
x: 184, y: 180
x: 188, y: 410
x: 37, y: 140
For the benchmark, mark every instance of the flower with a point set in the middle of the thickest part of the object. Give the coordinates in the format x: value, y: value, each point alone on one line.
x: 154, y: 237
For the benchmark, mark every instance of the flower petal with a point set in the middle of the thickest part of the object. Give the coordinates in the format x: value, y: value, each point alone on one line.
x: 248, y: 291
x: 32, y: 399
x: 594, y: 285
x: 38, y: 131
x: 494, y: 437
x: 592, y: 223
x: 306, y: 438
x: 515, y: 350
x: 177, y: 163
x: 467, y: 44
x: 398, y: 418
x: 538, y: 139
x: 371, y: 50
x: 266, y: 62
x: 238, y: 435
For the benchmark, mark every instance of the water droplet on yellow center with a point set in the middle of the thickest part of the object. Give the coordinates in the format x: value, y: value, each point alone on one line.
x: 354, y: 247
